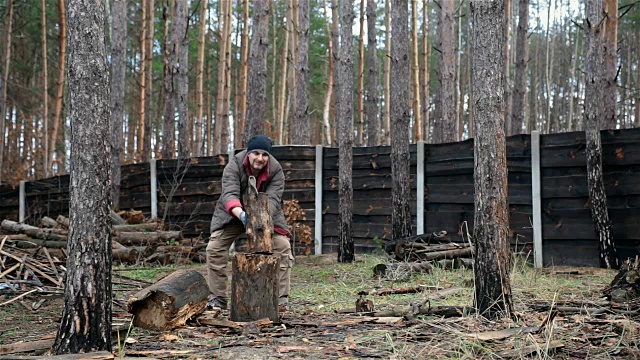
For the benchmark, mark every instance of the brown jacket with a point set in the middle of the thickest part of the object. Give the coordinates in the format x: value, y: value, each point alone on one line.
x: 235, y: 182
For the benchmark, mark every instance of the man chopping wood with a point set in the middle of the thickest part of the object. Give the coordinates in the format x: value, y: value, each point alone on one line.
x: 229, y: 218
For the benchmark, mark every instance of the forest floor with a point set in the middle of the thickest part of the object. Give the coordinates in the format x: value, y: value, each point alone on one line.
x: 560, y: 314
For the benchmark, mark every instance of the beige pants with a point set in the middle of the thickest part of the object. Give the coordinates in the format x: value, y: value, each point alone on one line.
x: 218, y: 257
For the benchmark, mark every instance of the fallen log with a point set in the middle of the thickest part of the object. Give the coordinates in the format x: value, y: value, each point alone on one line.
x: 146, y: 227
x: 169, y: 302
x: 48, y: 222
x: 145, y: 238
x: 116, y: 219
x: 45, y: 234
x: 625, y: 286
x: 406, y: 290
x: 126, y: 255
x: 449, y: 254
x: 383, y: 270
x: 31, y: 243
x: 63, y: 221
x: 16, y: 226
x: 444, y: 311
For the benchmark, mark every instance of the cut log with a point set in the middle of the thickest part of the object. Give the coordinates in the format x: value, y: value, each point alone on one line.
x: 16, y: 226
x: 254, y: 289
x: 126, y: 255
x: 26, y: 346
x: 384, y: 270
x: 146, y: 227
x: 258, y: 223
x: 625, y: 286
x: 48, y: 222
x: 407, y: 290
x: 169, y: 302
x: 463, y: 263
x: 46, y: 234
x: 145, y: 238
x: 116, y: 219
x: 63, y: 221
x: 31, y: 243
x: 131, y: 216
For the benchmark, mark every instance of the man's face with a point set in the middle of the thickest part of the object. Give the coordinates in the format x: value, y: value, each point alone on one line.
x: 258, y: 159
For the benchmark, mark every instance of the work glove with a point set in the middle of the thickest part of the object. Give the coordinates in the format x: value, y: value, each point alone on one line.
x: 243, y: 218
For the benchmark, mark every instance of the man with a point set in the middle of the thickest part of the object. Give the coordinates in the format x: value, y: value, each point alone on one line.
x: 229, y: 217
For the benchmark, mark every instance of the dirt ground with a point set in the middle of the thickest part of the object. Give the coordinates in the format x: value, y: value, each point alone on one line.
x: 560, y: 314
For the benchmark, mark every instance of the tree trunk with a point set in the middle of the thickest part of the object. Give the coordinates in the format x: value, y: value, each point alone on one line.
x: 226, y: 99
x: 507, y: 67
x: 4, y: 76
x: 300, y: 134
x: 360, y: 90
x: 284, y: 75
x: 610, y: 66
x: 200, y: 79
x: 415, y: 70
x: 146, y: 149
x: 326, y: 113
x: 548, y: 69
x: 593, y: 117
x: 170, y: 71
x: 426, y: 127
x: 244, y: 75
x: 344, y: 112
x: 491, y: 221
x: 448, y: 120
x: 522, y: 56
x: 221, y: 77
x: 45, y: 92
x: 59, y: 92
x: 387, y: 74
x: 142, y: 80
x: 637, y: 110
x: 86, y: 319
x: 373, y: 122
x: 335, y: 39
x: 182, y: 38
x: 400, y: 73
x: 257, y: 90
x: 118, y: 68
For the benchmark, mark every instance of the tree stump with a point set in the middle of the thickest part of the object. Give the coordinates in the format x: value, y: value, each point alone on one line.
x: 254, y: 289
x: 254, y: 279
x: 168, y: 303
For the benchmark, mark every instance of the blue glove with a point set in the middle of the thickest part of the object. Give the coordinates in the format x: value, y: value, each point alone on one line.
x: 243, y: 218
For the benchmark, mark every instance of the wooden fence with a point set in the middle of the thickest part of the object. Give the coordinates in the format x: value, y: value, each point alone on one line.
x: 442, y: 190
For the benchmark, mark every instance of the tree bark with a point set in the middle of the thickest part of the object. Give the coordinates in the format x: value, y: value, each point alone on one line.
x: 415, y: 70
x: 146, y: 148
x: 610, y: 66
x: 182, y: 38
x: 59, y: 92
x: 257, y: 91
x: 360, y: 91
x: 118, y: 68
x: 254, y: 289
x: 300, y: 134
x: 400, y: 73
x: 170, y: 302
x: 522, y: 56
x: 170, y: 71
x: 344, y: 113
x: 4, y: 77
x: 373, y: 122
x: 387, y: 74
x: 45, y: 92
x: 448, y: 120
x: 86, y: 319
x: 593, y: 117
x: 426, y: 126
x: 491, y: 221
x: 326, y: 113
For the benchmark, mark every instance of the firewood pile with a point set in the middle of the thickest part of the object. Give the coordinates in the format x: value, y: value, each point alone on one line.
x: 135, y: 240
x: 418, y: 254
x: 625, y: 286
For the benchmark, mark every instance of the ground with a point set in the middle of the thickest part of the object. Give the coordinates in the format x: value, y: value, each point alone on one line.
x: 321, y: 323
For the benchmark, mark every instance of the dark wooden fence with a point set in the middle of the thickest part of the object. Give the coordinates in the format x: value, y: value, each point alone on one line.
x: 187, y: 192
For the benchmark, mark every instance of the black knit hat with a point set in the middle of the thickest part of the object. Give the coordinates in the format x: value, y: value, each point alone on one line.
x: 259, y: 142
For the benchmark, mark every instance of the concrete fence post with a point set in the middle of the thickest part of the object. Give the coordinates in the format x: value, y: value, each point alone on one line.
x: 536, y: 198
x: 154, y: 188
x: 318, y: 201
x: 420, y: 188
x: 22, y: 201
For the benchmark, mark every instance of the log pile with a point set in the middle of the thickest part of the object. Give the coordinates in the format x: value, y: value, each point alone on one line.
x: 625, y: 286
x: 418, y: 254
x: 135, y: 240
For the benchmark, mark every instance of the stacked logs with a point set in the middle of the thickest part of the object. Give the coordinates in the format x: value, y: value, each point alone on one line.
x: 133, y: 240
x: 418, y: 254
